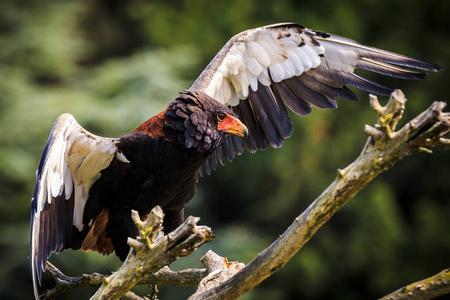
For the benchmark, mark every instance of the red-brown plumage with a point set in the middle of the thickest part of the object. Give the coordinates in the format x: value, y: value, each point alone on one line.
x: 96, y: 239
x: 153, y: 126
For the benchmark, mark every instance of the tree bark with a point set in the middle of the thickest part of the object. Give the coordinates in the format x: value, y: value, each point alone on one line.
x: 429, y: 288
x: 188, y: 277
x: 152, y: 251
x: 383, y: 149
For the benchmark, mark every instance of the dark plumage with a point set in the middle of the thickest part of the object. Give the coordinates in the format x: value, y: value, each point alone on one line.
x: 157, y: 164
x: 87, y: 185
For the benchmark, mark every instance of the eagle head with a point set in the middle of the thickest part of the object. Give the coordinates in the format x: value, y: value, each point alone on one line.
x: 198, y: 121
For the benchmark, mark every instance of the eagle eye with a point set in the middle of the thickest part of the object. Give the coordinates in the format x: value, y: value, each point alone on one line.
x: 221, y: 116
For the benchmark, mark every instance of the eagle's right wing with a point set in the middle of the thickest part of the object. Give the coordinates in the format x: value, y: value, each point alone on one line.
x: 263, y: 71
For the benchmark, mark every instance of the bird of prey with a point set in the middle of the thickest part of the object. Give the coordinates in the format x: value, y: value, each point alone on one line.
x: 87, y: 185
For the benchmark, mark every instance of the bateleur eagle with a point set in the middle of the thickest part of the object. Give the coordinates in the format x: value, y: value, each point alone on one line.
x: 87, y: 185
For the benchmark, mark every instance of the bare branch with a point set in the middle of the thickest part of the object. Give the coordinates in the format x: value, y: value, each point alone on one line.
x: 188, y: 277
x: 429, y: 288
x: 153, y: 251
x: 382, y: 150
x: 64, y: 283
x: 132, y: 296
x: 219, y: 269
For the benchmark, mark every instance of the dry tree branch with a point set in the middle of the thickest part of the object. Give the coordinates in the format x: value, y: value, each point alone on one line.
x: 188, y: 277
x: 218, y: 269
x: 429, y: 288
x: 383, y: 149
x: 151, y: 251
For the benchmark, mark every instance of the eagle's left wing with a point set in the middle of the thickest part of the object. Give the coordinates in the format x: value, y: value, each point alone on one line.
x: 72, y: 161
x: 261, y: 71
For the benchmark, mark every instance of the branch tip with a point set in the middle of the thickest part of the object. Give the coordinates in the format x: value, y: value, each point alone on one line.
x: 398, y: 96
x: 375, y: 104
x: 373, y: 132
x: 426, y: 150
x: 137, y: 245
x: 444, y: 141
x: 340, y: 173
x: 136, y: 218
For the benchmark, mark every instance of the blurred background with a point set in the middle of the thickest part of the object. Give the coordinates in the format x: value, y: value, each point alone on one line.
x: 114, y: 64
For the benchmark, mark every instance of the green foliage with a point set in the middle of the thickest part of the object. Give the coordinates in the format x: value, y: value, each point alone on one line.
x: 114, y: 64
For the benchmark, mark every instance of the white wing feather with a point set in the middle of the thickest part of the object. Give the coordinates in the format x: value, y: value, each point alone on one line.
x: 287, y: 65
x: 281, y: 51
x: 75, y: 158
x: 254, y: 53
x: 71, y: 163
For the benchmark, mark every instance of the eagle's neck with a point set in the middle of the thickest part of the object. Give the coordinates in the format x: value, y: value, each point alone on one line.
x: 184, y: 122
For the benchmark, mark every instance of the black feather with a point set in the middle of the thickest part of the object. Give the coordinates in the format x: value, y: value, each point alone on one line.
x: 255, y: 129
x: 264, y: 120
x: 228, y: 149
x: 337, y: 79
x: 291, y: 100
x: 238, y: 144
x: 276, y: 111
x: 367, y: 85
x: 312, y: 97
x: 401, y: 60
x: 322, y: 88
x: 194, y: 119
x: 201, y: 172
x: 213, y: 160
x: 221, y: 155
x: 207, y: 166
x: 389, y: 70
x: 250, y: 141
x: 348, y: 94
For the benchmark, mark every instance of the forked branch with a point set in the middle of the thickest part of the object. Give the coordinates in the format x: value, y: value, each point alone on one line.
x: 383, y: 149
x: 153, y: 250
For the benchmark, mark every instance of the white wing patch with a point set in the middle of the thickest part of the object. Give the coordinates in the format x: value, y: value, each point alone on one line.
x: 73, y: 163
x: 262, y: 55
x: 121, y: 157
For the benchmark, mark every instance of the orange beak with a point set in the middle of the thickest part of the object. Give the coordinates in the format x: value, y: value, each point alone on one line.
x: 232, y: 125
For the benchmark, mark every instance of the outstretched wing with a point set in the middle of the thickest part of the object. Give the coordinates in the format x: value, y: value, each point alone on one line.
x: 262, y: 71
x: 71, y: 163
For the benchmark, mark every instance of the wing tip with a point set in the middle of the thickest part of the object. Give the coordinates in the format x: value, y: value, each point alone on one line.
x: 422, y: 65
x: 36, y: 268
x: 435, y: 68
